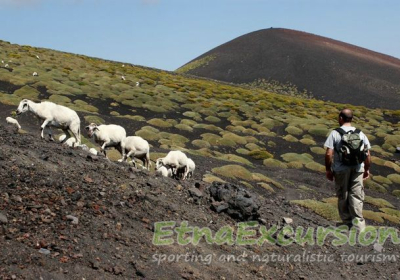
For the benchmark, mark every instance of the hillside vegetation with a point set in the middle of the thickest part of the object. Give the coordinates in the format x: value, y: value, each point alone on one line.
x: 268, y: 142
x: 237, y: 124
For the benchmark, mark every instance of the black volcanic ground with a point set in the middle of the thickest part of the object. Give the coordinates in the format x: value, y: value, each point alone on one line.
x: 331, y: 70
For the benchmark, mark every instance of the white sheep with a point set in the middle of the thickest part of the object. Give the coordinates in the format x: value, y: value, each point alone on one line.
x: 191, y: 166
x: 177, y: 161
x: 137, y: 84
x: 6, y: 65
x: 70, y: 142
x: 37, y: 57
x: 35, y: 74
x: 53, y: 115
x: 108, y: 135
x: 164, y: 171
x: 136, y: 147
x: 123, y: 78
x: 93, y: 151
x: 13, y: 121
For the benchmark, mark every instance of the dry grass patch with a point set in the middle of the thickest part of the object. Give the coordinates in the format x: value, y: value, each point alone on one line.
x: 211, y: 178
x: 184, y: 127
x: 233, y: 171
x: 266, y: 186
x: 260, y: 154
x: 378, y: 202
x: 381, y: 180
x: 258, y: 177
x: 159, y: 123
x: 317, y: 150
x: 232, y: 157
x: 326, y: 210
x: 395, y: 178
x: 370, y: 184
x: 293, y: 130
x: 315, y: 166
x: 396, y: 193
x: 94, y: 119
x: 271, y: 162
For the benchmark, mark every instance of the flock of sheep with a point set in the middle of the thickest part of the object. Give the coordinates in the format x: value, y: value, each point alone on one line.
x: 176, y: 164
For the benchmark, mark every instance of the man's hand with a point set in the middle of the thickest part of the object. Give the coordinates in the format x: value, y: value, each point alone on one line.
x: 329, y: 175
x: 366, y: 174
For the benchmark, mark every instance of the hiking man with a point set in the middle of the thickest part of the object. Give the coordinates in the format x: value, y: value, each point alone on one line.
x: 347, y: 160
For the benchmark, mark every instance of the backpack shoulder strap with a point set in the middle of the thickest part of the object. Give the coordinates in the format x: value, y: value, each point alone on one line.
x: 341, y: 131
x: 357, y: 131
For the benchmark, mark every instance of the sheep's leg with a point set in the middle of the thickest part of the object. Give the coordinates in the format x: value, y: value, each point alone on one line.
x: 144, y: 163
x: 44, y: 124
x: 121, y: 150
x: 76, y: 131
x: 103, y: 149
x: 186, y: 173
x: 148, y: 163
x: 67, y: 135
x: 50, y: 134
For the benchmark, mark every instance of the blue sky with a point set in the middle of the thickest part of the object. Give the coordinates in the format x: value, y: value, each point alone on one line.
x: 166, y: 34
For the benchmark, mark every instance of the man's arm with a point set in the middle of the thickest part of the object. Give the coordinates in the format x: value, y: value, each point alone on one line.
x: 367, y: 165
x: 328, y: 163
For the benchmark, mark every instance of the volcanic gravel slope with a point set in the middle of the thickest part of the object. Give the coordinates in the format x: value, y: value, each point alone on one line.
x: 330, y: 69
x: 42, y: 183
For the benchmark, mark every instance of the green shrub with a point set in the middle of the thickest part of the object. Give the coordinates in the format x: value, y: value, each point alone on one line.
x: 315, y: 166
x: 148, y: 135
x: 236, y: 138
x: 211, y: 178
x: 378, y: 202
x: 233, y: 171
x: 270, y: 162
x: 317, y: 150
x: 293, y: 130
x: 242, y: 151
x: 369, y: 184
x: 290, y: 138
x: 258, y: 177
x: 201, y: 143
x: 28, y: 93
x: 94, y: 119
x: 258, y: 154
x: 307, y: 141
x: 159, y: 123
x: 319, y: 131
x: 396, y: 193
x: 184, y: 127
x: 266, y: 186
x: 326, y: 210
x: 234, y: 158
x: 212, y: 119
x: 395, y: 178
x: 381, y: 180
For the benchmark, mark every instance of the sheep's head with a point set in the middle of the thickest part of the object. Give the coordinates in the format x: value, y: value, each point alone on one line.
x: 91, y: 129
x: 159, y: 163
x: 23, y: 106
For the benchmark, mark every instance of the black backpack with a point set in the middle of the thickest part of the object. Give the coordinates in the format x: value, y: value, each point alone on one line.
x: 351, y: 148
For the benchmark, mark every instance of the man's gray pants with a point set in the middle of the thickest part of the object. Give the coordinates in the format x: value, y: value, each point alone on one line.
x: 350, y: 193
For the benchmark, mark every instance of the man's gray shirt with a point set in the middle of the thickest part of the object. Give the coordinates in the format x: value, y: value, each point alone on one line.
x: 333, y: 141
